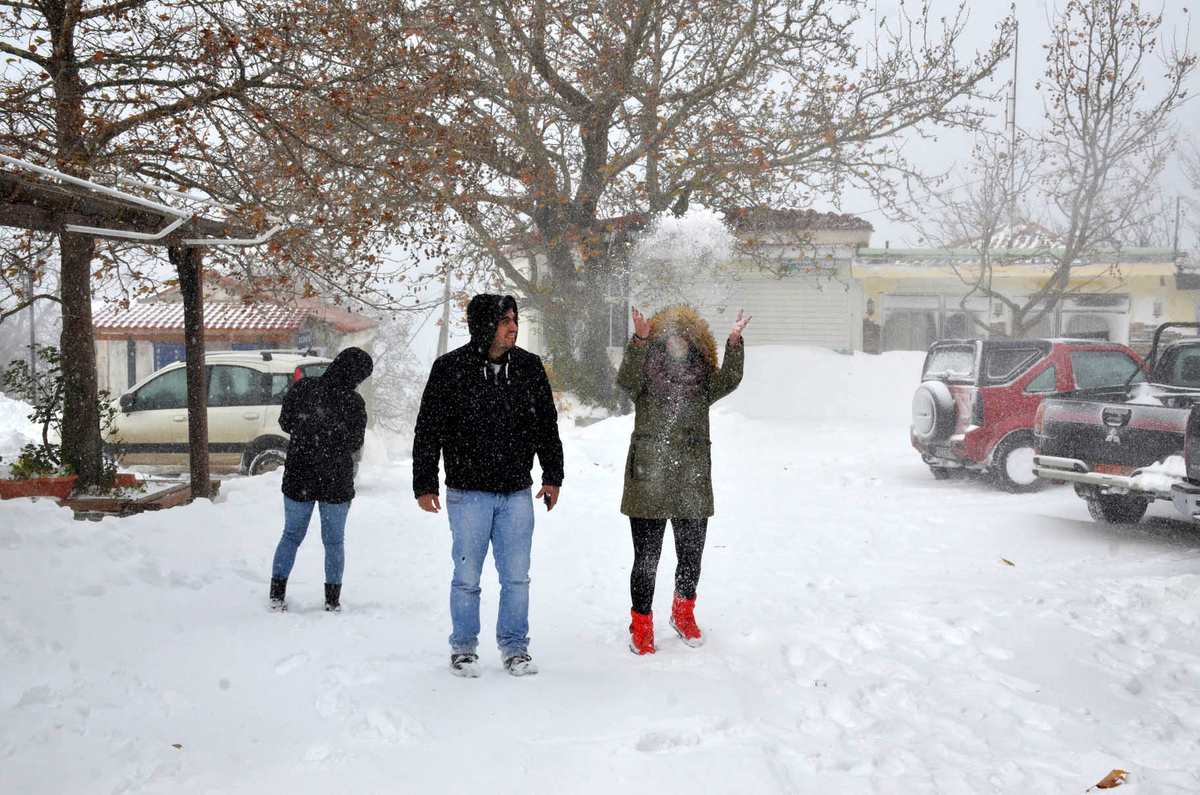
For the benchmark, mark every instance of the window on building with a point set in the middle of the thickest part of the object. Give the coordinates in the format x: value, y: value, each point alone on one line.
x: 1086, y: 327
x: 913, y: 322
x: 167, y: 353
x: 909, y: 330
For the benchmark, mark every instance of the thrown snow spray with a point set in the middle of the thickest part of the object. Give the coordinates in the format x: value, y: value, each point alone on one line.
x: 684, y: 260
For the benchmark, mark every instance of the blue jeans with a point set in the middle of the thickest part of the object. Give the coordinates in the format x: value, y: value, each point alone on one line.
x: 296, y: 516
x: 478, y: 518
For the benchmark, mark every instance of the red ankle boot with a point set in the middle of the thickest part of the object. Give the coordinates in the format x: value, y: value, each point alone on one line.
x: 683, y: 621
x: 641, y: 633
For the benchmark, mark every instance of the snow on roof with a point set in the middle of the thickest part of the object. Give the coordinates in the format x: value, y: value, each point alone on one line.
x: 1015, y: 236
x: 1050, y: 257
x: 217, y: 317
x: 743, y: 218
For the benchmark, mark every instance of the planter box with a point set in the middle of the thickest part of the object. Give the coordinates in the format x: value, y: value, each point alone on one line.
x: 58, y: 488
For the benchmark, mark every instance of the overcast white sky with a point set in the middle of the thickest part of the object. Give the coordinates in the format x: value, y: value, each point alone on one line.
x: 1034, y: 18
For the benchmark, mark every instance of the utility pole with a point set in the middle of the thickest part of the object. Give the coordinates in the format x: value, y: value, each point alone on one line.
x: 1175, y: 239
x: 1011, y: 123
x: 444, y: 331
x: 32, y: 323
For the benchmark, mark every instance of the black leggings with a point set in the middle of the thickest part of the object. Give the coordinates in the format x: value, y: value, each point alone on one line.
x: 647, y: 547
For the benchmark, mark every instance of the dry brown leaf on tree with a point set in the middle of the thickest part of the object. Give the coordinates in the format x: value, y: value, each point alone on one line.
x: 1114, y: 779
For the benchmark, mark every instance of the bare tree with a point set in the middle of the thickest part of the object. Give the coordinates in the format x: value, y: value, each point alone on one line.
x: 86, y: 84
x: 983, y: 208
x: 177, y: 91
x: 398, y: 376
x: 542, y: 122
x: 1108, y: 133
x: 1091, y: 174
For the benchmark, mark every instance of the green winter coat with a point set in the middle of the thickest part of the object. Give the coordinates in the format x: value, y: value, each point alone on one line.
x: 668, y: 470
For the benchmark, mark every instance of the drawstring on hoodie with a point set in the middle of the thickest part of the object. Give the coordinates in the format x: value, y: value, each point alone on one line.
x: 488, y: 366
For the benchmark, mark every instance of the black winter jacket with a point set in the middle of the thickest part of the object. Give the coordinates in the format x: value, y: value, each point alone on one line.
x: 488, y: 426
x: 327, y: 421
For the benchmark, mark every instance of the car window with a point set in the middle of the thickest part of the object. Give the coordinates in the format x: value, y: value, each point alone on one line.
x: 167, y: 391
x: 314, y: 370
x: 280, y: 382
x: 1005, y: 364
x: 1182, y: 366
x: 1045, y: 381
x: 955, y: 362
x: 1103, y: 368
x: 229, y: 385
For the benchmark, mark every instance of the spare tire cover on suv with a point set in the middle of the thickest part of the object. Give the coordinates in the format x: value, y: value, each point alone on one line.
x: 932, y: 412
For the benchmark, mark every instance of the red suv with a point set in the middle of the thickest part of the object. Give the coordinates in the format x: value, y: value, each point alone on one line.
x: 975, y: 407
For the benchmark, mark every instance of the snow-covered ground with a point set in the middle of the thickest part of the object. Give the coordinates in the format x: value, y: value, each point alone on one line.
x: 869, y: 629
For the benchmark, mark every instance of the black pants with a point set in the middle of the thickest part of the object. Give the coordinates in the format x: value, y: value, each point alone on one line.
x: 647, y: 547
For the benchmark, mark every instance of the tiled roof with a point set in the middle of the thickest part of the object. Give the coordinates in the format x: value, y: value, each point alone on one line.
x: 217, y: 317
x: 1015, y: 236
x: 336, y: 317
x: 745, y: 218
x: 329, y: 314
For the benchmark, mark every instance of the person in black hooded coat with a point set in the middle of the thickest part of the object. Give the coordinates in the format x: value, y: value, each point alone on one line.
x: 327, y: 422
x: 488, y: 410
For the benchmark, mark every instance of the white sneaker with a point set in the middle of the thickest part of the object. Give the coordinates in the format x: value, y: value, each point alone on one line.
x: 520, y: 665
x: 465, y: 665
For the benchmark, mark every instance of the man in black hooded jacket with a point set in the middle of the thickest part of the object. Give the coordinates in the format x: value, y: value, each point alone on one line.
x: 327, y: 422
x: 488, y: 410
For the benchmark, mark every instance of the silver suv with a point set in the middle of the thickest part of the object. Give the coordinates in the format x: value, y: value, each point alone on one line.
x: 245, y: 395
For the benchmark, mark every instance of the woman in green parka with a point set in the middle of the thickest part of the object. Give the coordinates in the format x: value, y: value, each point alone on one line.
x: 671, y: 372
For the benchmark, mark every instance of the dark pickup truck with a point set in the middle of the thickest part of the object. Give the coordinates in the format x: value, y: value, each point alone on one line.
x: 1123, y: 447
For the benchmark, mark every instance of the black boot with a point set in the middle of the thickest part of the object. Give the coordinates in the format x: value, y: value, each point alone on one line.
x: 278, y: 589
x: 333, y: 596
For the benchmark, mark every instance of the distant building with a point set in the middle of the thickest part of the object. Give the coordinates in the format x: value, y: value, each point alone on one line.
x: 915, y: 296
x: 793, y: 276
x: 133, y: 343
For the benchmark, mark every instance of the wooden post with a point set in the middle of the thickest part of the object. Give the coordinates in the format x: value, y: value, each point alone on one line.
x: 188, y: 261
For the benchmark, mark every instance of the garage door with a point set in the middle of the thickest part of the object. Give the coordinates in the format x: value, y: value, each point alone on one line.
x: 792, y: 310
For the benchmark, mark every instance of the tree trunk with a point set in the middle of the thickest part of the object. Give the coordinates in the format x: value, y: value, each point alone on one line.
x: 82, y: 447
x: 575, y: 326
x: 187, y: 261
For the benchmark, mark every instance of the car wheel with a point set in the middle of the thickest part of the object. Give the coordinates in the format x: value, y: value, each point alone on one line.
x: 1117, y: 508
x: 933, y: 415
x: 266, y: 461
x: 1012, y: 464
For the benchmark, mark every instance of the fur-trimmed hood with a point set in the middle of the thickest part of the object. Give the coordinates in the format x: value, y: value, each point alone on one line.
x: 686, y: 322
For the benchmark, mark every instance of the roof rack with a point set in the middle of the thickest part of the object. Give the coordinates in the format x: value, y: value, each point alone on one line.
x: 266, y: 353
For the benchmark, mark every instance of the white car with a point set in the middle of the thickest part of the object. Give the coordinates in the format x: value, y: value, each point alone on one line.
x: 245, y: 396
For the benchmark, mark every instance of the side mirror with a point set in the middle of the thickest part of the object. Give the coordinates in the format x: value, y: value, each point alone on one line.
x: 126, y: 402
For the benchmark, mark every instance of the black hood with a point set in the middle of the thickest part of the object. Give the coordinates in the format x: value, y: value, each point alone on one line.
x: 349, y: 369
x: 483, y: 318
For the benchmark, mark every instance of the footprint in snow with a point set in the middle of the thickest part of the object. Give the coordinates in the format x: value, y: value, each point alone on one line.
x: 290, y: 663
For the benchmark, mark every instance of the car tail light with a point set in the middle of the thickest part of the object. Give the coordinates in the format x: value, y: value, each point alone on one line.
x: 977, y: 418
x: 297, y: 375
x: 1037, y: 419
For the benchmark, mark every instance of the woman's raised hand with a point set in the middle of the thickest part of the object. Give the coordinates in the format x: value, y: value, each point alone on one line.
x: 735, y: 336
x: 641, y: 326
